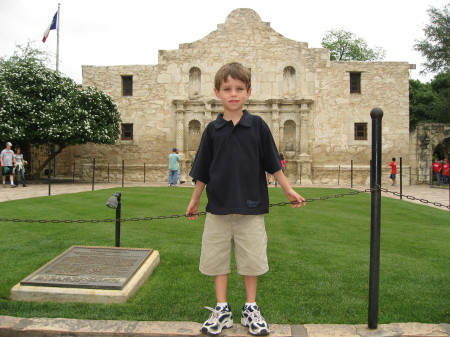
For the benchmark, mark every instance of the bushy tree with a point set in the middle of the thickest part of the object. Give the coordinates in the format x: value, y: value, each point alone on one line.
x: 435, y: 47
x: 40, y: 106
x: 345, y: 46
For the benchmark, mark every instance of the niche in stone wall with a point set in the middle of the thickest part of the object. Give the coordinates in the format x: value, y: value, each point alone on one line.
x: 195, y: 75
x: 289, y: 136
x: 194, y: 135
x: 289, y: 80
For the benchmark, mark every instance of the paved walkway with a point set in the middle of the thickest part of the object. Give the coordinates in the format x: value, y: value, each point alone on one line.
x: 56, y: 327
x: 433, y: 194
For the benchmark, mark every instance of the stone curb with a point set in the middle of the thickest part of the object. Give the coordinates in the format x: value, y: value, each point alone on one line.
x: 58, y: 327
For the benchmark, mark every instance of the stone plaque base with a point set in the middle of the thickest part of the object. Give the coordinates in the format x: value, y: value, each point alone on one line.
x: 71, y: 293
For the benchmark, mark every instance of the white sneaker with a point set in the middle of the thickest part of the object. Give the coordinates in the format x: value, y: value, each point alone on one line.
x: 252, y: 318
x: 220, y: 318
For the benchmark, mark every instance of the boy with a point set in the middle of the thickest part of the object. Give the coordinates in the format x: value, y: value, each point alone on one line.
x: 446, y: 171
x: 174, y: 158
x: 437, y: 168
x: 393, y: 166
x: 8, y: 162
x: 235, y: 152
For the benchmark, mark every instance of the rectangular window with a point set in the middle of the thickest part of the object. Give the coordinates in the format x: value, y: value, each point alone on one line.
x: 127, y: 132
x: 355, y: 83
x: 127, y: 85
x: 360, y: 131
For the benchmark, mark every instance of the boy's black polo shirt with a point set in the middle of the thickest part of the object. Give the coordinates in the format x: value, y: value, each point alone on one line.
x: 232, y: 161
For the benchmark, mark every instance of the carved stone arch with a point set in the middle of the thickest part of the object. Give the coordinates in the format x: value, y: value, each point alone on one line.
x: 195, y: 77
x: 194, y: 135
x: 289, y: 80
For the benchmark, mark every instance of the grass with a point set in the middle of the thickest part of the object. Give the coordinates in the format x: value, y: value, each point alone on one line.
x: 318, y: 257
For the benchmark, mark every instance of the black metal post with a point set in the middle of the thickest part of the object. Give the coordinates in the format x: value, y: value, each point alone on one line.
x: 50, y: 176
x: 339, y: 174
x: 118, y: 216
x: 375, y: 184
x: 123, y: 171
x: 93, y: 173
x: 351, y: 173
x: 401, y: 178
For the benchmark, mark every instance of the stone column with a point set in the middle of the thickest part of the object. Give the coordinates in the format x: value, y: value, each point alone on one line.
x: 276, y: 125
x: 180, y: 132
x: 303, y: 146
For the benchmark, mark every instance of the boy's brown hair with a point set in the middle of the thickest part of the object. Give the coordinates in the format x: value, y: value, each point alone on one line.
x: 236, y: 71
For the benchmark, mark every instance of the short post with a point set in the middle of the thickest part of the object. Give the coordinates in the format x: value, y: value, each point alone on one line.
x: 351, y: 173
x: 50, y: 175
x: 118, y: 216
x: 123, y: 171
x: 339, y: 174
x: 93, y: 173
x: 375, y: 184
x: 401, y: 178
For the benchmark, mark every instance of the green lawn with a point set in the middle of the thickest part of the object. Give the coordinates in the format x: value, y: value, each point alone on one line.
x: 318, y: 256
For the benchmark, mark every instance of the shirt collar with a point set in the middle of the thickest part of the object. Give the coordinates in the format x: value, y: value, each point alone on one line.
x: 246, y: 120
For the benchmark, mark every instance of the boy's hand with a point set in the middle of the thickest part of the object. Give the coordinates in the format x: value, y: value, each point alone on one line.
x: 193, y: 207
x: 294, y: 196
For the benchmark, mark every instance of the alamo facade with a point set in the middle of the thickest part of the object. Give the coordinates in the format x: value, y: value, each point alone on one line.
x: 318, y: 110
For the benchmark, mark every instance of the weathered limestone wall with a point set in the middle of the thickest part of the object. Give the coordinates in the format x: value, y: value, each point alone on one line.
x: 302, y: 95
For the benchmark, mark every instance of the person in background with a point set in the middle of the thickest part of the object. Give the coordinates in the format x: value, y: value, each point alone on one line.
x: 174, y: 166
x: 446, y: 171
x: 393, y: 166
x: 437, y: 168
x: 8, y: 162
x: 20, y: 168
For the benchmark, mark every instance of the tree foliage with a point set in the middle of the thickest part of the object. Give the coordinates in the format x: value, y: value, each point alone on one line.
x: 40, y: 106
x: 435, y: 47
x: 346, y: 46
x: 430, y: 102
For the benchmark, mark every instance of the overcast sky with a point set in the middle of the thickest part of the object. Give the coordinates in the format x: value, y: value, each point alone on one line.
x: 108, y: 32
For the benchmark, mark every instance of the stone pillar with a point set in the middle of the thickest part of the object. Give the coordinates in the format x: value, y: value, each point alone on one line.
x: 282, y: 143
x: 276, y: 125
x: 180, y: 132
x: 303, y: 146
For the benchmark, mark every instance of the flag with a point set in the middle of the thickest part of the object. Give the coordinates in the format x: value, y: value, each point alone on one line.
x: 50, y: 27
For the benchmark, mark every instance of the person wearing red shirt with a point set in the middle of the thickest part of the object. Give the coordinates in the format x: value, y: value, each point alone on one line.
x: 393, y: 166
x: 446, y: 171
x: 437, y: 168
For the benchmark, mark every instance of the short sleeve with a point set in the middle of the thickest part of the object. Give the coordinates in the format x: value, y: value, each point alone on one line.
x: 203, y: 159
x: 269, y: 153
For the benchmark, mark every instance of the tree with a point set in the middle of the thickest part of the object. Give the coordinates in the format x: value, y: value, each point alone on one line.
x: 345, y: 46
x: 430, y: 102
x: 435, y: 47
x: 40, y: 106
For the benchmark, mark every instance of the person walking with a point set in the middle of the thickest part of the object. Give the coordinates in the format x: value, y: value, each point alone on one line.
x: 20, y: 168
x: 446, y: 171
x: 437, y: 168
x: 393, y: 166
x: 8, y: 162
x: 174, y: 166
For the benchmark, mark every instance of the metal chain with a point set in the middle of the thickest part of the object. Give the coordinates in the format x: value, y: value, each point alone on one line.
x: 176, y: 216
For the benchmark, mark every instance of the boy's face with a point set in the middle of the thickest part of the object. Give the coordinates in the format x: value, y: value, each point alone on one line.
x: 233, y: 93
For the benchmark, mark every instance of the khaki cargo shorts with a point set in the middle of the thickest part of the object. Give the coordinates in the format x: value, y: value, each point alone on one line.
x: 247, y: 233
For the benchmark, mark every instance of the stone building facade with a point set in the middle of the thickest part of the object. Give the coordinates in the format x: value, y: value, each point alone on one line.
x: 318, y: 110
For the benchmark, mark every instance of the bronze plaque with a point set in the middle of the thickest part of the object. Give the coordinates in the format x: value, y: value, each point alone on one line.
x: 90, y: 267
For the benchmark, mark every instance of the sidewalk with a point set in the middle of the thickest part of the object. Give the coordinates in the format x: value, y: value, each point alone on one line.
x: 45, y: 327
x: 432, y: 194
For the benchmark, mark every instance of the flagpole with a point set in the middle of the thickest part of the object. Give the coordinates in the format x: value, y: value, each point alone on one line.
x: 57, y: 38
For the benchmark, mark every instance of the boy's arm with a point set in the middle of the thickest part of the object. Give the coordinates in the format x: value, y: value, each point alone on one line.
x: 290, y: 193
x: 194, y: 204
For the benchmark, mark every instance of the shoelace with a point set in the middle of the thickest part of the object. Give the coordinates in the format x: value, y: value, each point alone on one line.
x: 214, y: 315
x: 257, y: 317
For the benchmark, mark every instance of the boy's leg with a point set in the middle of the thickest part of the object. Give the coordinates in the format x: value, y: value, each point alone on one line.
x: 250, y: 283
x: 221, y: 284
x: 251, y: 316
